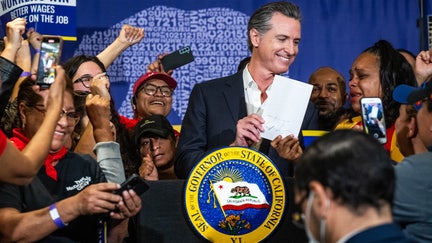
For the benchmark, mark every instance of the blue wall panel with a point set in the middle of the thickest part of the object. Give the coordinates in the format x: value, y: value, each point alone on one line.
x: 334, y: 32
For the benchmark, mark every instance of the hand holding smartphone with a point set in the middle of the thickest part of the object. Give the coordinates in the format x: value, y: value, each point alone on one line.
x: 177, y: 59
x: 49, y: 58
x: 134, y: 182
x: 373, y: 118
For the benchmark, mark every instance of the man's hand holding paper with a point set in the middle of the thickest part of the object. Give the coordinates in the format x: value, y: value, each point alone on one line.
x: 285, y: 107
x: 248, y: 130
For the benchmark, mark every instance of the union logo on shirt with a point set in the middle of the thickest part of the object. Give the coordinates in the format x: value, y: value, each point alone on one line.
x: 80, y: 184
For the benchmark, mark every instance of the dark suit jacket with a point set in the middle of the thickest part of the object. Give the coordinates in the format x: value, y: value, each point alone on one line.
x: 381, y: 233
x: 210, y: 122
x: 9, y: 74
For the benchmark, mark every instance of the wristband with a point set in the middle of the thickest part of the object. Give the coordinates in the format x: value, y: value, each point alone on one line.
x: 55, y: 216
x: 25, y: 74
x: 37, y: 50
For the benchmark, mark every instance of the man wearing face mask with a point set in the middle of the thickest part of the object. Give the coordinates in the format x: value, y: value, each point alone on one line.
x: 345, y: 184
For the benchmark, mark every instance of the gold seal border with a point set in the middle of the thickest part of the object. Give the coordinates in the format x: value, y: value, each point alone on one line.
x: 216, y: 157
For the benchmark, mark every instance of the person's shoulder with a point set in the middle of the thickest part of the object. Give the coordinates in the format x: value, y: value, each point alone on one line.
x: 380, y: 233
x: 414, y: 170
x: 79, y: 158
x: 128, y: 123
x: 416, y: 161
x: 81, y: 163
x: 222, y: 81
x: 347, y: 123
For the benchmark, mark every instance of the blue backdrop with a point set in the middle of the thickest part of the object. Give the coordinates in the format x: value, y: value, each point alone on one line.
x: 334, y: 32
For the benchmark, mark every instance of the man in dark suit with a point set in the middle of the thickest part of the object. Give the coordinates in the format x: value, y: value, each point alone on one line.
x: 225, y: 111
x: 344, y: 184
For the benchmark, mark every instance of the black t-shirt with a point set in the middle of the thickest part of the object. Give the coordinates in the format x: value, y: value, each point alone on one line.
x: 74, y: 173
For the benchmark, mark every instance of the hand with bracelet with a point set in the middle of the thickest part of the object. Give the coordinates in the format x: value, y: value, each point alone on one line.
x: 35, y: 40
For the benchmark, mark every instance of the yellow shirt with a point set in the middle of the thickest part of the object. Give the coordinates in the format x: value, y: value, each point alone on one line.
x: 390, y: 146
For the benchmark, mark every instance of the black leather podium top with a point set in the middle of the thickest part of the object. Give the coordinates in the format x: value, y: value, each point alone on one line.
x: 162, y: 216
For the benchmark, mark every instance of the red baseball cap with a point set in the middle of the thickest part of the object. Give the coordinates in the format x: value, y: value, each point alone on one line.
x: 154, y: 75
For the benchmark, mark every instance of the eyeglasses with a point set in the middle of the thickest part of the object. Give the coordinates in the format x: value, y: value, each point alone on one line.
x: 151, y: 89
x: 71, y: 116
x: 87, y: 78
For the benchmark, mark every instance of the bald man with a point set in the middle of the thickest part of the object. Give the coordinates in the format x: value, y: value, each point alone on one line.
x: 329, y: 95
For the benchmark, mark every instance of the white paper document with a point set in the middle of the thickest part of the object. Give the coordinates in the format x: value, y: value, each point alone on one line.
x: 284, y: 109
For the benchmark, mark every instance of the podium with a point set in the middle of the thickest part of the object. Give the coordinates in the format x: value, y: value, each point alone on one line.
x: 162, y: 218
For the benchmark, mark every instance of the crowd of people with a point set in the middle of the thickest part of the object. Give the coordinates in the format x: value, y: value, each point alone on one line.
x: 65, y: 149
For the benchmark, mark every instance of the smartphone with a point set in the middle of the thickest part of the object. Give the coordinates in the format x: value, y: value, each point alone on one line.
x: 373, y: 118
x: 177, y: 59
x: 49, y: 57
x: 134, y: 182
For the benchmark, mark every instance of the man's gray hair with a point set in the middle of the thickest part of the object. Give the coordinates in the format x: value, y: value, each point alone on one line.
x: 260, y: 19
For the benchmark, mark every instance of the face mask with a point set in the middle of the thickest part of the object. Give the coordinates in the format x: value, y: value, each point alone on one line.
x: 307, y: 220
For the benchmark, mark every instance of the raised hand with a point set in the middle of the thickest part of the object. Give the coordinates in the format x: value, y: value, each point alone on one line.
x: 14, y: 31
x: 99, y: 113
x: 54, y: 101
x: 100, y: 85
x: 130, y: 35
x: 34, y: 38
x: 423, y: 66
x: 157, y: 66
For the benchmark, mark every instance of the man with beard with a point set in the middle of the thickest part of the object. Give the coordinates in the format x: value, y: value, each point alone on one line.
x: 413, y: 172
x: 329, y: 95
